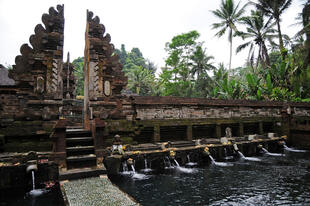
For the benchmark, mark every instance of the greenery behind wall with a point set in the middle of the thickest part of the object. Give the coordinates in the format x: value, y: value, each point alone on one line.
x: 277, y: 67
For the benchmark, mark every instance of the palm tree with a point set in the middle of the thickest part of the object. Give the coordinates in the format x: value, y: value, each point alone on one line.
x: 274, y: 9
x: 258, y: 32
x: 229, y: 14
x: 201, y: 62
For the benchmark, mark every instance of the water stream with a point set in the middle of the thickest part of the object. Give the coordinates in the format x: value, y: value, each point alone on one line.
x: 221, y: 164
x: 292, y: 149
x: 146, y: 167
x: 242, y: 157
x: 33, y: 180
x: 176, y: 163
x: 266, y: 152
x: 273, y: 181
x: 36, y: 192
x: 226, y: 157
x: 189, y: 162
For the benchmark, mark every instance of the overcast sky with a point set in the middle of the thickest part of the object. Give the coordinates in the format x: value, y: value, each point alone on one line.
x: 146, y: 24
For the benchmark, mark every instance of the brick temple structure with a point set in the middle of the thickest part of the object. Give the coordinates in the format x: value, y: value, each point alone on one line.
x: 39, y: 102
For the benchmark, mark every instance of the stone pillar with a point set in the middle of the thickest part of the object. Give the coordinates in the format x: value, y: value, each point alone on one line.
x: 218, y: 130
x: 241, y: 129
x: 156, y: 137
x: 86, y: 81
x: 285, y: 125
x: 260, y: 128
x: 189, y: 132
x: 98, y: 135
x: 59, y: 154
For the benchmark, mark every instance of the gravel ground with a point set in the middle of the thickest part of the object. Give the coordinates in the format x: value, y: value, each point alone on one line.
x: 95, y: 192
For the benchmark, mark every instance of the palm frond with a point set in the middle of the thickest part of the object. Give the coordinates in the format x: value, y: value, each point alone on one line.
x: 242, y: 46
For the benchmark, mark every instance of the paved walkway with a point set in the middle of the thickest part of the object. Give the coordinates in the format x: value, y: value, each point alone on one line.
x: 96, y: 191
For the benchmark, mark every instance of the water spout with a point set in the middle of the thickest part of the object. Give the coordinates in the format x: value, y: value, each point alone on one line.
x: 291, y: 149
x: 226, y: 157
x: 32, y: 167
x: 33, y: 180
x: 145, y: 163
x: 189, y: 163
x: 167, y: 162
x: 221, y: 164
x: 242, y: 157
x: 133, y: 169
x: 125, y: 166
x: 146, y: 167
x: 266, y: 152
x: 176, y: 162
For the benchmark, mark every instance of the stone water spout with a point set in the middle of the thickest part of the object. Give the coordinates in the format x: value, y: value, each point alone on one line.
x: 32, y: 165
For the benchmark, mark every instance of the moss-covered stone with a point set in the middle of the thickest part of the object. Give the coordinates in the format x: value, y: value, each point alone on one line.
x: 28, y: 146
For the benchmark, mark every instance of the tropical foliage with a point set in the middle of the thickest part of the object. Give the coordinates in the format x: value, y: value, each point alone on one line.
x: 273, y: 71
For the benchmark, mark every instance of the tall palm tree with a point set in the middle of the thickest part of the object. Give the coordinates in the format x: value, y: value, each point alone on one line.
x: 274, y: 9
x: 258, y: 31
x: 229, y: 14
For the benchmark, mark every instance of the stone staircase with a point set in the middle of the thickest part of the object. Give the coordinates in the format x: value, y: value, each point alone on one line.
x: 80, y: 148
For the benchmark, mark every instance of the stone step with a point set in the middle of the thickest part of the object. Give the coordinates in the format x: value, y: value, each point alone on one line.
x: 81, y: 158
x: 80, y: 150
x: 77, y: 133
x: 79, y: 141
x: 81, y: 173
x: 81, y: 161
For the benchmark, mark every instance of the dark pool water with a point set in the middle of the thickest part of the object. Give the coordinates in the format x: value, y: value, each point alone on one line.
x: 275, y: 180
x: 20, y: 198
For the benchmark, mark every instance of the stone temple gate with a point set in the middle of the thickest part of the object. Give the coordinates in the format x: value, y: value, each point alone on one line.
x: 41, y: 75
x: 41, y: 101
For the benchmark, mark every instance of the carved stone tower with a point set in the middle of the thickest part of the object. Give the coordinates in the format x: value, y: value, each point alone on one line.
x: 104, y: 78
x: 38, y: 69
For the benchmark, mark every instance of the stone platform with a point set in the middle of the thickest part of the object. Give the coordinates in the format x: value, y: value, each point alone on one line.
x: 95, y: 191
x: 80, y: 173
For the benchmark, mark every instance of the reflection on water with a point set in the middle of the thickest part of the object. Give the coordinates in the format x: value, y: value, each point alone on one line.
x: 275, y: 180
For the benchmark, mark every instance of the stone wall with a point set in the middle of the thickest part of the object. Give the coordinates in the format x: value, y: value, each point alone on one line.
x: 165, y: 108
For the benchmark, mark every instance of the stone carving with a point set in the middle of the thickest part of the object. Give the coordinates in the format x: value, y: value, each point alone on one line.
x: 104, y: 78
x: 107, y: 88
x: 40, y: 84
x: 104, y: 65
x: 38, y: 69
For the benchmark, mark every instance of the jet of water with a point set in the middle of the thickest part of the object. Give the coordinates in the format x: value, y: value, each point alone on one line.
x: 145, y: 163
x: 189, y: 163
x: 271, y: 154
x: 176, y: 162
x: 248, y: 158
x: 125, y: 167
x: 221, y: 164
x: 167, y: 162
x: 146, y: 167
x: 133, y: 169
x: 292, y: 150
x: 33, y: 180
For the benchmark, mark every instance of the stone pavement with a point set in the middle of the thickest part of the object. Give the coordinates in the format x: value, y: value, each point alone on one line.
x: 95, y: 191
